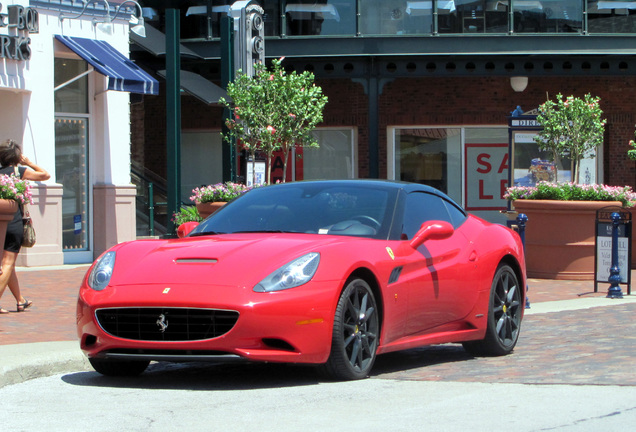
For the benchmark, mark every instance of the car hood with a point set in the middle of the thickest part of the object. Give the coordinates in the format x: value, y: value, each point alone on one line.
x: 229, y: 259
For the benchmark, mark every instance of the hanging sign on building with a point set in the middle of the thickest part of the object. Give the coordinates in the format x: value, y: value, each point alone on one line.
x: 26, y: 21
x: 486, y: 176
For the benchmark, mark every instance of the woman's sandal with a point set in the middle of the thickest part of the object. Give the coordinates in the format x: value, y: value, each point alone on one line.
x: 3, y: 311
x: 22, y: 306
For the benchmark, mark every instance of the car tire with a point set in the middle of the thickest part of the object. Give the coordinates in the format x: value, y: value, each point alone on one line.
x: 356, y: 330
x: 111, y: 367
x: 505, y: 311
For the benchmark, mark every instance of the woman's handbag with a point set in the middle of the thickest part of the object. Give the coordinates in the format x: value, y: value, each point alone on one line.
x: 28, y: 239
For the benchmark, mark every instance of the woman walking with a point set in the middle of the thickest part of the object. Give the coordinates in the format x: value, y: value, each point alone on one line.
x: 10, y: 157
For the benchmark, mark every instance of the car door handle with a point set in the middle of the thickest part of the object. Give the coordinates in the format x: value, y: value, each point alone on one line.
x: 473, y: 256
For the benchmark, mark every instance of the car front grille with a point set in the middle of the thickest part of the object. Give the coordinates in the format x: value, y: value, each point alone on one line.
x: 166, y: 324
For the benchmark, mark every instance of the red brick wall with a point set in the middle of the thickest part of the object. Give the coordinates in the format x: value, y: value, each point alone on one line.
x: 424, y: 102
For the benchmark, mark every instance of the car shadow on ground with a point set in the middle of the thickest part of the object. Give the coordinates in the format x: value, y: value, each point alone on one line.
x: 249, y: 376
x: 405, y: 361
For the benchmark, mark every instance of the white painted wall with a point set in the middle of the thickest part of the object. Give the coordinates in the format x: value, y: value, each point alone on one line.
x: 27, y: 109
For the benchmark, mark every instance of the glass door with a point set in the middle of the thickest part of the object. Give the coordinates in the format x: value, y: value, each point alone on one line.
x: 71, y: 173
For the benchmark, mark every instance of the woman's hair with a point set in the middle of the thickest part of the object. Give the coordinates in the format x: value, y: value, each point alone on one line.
x: 10, y: 153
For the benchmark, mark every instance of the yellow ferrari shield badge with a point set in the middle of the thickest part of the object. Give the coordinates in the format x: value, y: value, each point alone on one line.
x: 390, y: 252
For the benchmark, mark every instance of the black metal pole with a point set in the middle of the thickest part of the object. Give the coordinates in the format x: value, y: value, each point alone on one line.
x: 173, y: 110
x: 614, y: 290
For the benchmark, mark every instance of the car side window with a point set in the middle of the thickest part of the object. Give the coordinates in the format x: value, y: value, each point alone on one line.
x: 421, y: 207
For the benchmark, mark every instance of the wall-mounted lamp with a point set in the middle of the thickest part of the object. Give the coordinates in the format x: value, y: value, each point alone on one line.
x: 519, y: 83
x: 105, y: 25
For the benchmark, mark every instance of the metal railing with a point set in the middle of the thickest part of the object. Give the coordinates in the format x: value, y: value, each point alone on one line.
x: 152, y: 198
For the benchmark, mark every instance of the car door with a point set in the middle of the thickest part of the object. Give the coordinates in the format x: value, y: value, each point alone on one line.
x: 439, y: 271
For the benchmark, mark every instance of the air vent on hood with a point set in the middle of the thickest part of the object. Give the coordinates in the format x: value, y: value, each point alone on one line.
x: 196, y: 260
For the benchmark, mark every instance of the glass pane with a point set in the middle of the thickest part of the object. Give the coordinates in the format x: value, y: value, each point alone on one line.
x: 73, y: 97
x: 431, y: 157
x: 611, y: 16
x: 487, y: 163
x: 393, y: 17
x: 332, y: 160
x: 202, y: 18
x: 547, y: 16
x: 470, y: 16
x: 201, y: 152
x: 70, y: 170
x: 532, y: 165
x: 326, y: 17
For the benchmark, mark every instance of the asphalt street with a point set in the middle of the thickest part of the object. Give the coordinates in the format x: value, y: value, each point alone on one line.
x: 571, y: 370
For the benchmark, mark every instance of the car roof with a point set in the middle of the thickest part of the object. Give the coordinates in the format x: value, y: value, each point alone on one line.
x: 388, y: 184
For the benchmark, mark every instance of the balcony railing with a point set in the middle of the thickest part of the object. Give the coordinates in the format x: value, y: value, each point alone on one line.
x: 359, y: 18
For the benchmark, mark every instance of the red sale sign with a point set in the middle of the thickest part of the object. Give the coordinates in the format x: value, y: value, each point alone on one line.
x: 486, y: 177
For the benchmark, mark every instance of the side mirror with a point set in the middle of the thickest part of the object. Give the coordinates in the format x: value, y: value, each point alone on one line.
x: 185, y: 228
x: 432, y: 230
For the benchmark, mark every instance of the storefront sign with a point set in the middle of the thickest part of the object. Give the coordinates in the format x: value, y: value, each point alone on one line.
x: 486, y: 176
x: 26, y: 21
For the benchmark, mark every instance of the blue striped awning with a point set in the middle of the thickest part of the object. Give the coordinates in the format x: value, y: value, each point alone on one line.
x: 123, y: 74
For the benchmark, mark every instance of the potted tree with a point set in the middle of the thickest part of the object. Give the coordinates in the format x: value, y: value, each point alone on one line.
x: 273, y: 110
x: 560, y: 234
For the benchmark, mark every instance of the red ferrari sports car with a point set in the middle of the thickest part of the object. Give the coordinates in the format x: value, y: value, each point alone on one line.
x: 329, y: 273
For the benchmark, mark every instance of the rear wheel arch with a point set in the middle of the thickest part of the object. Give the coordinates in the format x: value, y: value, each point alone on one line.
x: 516, y: 267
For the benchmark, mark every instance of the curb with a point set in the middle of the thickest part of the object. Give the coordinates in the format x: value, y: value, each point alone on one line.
x: 23, y: 362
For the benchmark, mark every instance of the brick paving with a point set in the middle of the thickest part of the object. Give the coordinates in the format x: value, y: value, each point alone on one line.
x: 588, y: 346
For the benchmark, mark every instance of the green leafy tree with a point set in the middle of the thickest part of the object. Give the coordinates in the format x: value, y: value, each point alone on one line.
x: 273, y: 110
x: 572, y: 127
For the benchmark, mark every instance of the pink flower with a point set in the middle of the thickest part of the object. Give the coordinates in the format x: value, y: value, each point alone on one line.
x: 292, y: 115
x: 271, y: 130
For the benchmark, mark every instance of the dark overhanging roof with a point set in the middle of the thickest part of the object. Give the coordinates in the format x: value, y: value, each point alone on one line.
x: 155, y: 43
x: 199, y: 87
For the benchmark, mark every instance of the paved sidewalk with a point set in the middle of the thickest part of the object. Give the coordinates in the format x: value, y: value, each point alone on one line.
x: 566, y: 319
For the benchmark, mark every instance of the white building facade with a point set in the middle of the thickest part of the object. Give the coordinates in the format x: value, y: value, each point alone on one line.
x: 68, y: 104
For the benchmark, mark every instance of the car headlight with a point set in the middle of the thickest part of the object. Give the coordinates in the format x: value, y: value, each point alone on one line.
x: 291, y: 275
x: 102, y: 271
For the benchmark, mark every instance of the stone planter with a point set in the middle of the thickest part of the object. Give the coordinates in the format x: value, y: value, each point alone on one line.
x: 206, y: 209
x: 7, y: 211
x: 560, y: 237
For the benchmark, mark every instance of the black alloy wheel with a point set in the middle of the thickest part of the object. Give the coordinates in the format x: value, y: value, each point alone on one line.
x: 504, y: 315
x: 356, y: 330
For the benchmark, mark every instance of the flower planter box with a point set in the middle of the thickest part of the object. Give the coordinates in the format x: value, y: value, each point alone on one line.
x: 7, y: 211
x: 560, y: 237
x: 206, y: 209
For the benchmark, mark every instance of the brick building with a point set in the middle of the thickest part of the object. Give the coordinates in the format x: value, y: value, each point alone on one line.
x: 418, y: 91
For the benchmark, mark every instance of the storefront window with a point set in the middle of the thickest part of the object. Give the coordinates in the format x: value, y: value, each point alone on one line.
x: 332, y: 160
x: 548, y: 16
x: 70, y: 170
x: 431, y: 157
x: 72, y: 97
x: 611, y: 16
x: 201, y: 161
x: 469, y: 164
x: 71, y: 150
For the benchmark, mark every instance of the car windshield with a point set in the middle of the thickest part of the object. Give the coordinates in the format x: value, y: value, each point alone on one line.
x: 318, y: 208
